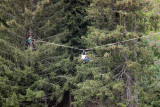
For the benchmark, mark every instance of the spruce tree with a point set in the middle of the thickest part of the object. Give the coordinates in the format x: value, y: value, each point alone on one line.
x: 121, y: 74
x: 121, y: 63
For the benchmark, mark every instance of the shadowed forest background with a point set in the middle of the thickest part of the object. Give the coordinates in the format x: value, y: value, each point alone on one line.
x: 50, y: 72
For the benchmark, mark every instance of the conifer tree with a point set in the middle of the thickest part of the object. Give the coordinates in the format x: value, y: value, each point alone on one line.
x: 122, y: 74
x: 115, y: 21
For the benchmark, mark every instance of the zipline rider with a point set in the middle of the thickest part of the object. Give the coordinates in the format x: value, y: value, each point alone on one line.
x: 84, y: 55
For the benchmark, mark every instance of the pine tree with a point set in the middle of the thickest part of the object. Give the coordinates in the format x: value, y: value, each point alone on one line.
x: 122, y: 74
x: 75, y: 21
x: 122, y: 63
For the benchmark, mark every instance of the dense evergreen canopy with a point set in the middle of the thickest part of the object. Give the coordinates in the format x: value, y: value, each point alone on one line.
x: 121, y: 37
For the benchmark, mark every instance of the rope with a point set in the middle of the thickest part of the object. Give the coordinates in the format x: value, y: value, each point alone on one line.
x: 61, y: 45
x: 95, y: 46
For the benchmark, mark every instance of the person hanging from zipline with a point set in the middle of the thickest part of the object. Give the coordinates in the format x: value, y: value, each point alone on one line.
x: 84, y: 55
x: 29, y: 41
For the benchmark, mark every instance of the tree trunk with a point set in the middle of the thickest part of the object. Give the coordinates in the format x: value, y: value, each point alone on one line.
x: 66, y: 102
x: 128, y: 76
x: 31, y: 36
x: 136, y: 76
x: 45, y: 102
x: 70, y: 100
x: 128, y: 84
x: 129, y: 94
x: 136, y: 91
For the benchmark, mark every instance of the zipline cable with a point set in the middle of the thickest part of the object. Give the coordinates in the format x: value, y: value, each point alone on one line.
x: 109, y: 44
x: 95, y: 46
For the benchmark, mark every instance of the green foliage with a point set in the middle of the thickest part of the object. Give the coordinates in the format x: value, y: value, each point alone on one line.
x: 43, y: 77
x: 12, y: 101
x: 31, y: 95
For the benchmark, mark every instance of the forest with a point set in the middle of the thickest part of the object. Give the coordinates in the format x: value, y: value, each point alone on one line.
x: 79, y: 53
